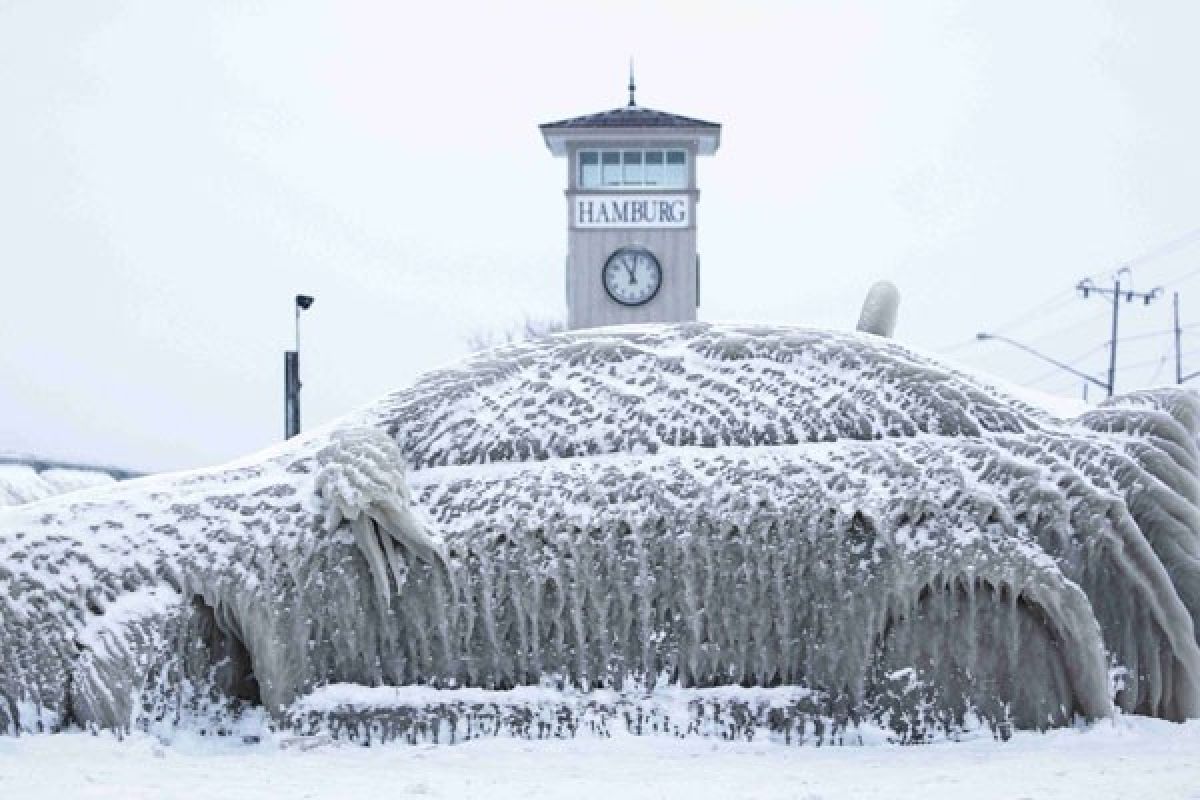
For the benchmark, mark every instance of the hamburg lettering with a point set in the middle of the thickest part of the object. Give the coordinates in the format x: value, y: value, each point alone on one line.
x: 599, y: 211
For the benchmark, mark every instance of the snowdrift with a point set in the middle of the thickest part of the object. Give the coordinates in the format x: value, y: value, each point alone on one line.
x: 685, y: 529
x: 20, y: 483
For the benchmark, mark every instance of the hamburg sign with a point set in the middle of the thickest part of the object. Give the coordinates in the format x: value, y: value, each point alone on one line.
x: 630, y: 211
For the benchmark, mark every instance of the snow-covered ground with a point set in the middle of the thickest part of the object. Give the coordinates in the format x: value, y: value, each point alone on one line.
x: 1130, y: 758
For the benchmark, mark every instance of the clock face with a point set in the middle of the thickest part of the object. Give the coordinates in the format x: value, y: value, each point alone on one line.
x: 632, y: 276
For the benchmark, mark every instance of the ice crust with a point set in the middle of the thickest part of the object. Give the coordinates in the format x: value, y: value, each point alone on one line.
x: 690, y: 506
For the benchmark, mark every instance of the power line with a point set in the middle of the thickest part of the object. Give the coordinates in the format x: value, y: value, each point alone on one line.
x: 1068, y: 327
x: 1182, y: 278
x: 1164, y: 249
x: 1145, y: 363
x: 1103, y: 345
x: 1139, y: 336
x: 1056, y: 299
x: 1154, y: 253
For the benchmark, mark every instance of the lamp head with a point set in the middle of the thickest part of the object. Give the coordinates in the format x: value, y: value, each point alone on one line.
x: 303, y: 301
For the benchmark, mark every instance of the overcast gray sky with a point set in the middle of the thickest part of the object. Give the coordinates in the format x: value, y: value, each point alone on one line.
x: 171, y: 173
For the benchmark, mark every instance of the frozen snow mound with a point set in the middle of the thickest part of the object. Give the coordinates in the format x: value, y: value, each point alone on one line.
x: 861, y: 532
x: 22, y: 483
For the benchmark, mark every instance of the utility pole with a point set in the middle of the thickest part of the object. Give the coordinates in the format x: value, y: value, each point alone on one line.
x: 1086, y: 286
x: 291, y: 375
x: 1178, y: 343
x: 1180, y: 378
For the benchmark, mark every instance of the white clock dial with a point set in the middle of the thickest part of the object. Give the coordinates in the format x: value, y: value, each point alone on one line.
x: 632, y: 276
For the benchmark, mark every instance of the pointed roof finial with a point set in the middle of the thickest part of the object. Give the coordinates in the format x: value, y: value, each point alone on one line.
x: 632, y: 85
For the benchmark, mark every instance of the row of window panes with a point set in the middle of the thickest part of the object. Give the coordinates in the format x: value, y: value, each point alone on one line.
x: 600, y: 168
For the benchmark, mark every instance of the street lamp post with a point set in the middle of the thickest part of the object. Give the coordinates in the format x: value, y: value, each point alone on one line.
x: 1105, y: 385
x: 291, y: 375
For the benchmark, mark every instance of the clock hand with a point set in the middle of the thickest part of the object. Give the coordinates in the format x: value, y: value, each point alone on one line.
x: 632, y: 270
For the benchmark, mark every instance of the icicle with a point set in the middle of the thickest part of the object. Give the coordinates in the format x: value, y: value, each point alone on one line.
x: 368, y: 542
x: 362, y: 479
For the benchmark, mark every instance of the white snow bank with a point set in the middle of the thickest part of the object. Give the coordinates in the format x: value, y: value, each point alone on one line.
x: 20, y: 484
x: 1129, y: 758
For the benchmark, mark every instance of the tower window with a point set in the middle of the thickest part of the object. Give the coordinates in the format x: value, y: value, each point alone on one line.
x: 676, y: 168
x: 632, y: 175
x: 589, y: 169
x: 604, y: 169
x: 612, y: 167
x: 654, y: 168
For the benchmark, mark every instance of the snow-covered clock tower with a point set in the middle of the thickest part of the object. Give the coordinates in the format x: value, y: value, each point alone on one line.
x: 631, y: 213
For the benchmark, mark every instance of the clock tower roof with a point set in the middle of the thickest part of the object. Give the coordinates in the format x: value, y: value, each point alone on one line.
x: 630, y: 117
x: 631, y: 120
